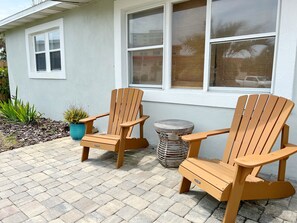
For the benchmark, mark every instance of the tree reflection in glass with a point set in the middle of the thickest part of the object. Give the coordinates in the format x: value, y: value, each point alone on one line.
x: 188, y: 43
x: 232, y: 63
x: 253, y: 16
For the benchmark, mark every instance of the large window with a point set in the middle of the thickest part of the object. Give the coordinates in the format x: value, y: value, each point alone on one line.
x: 242, y: 43
x: 45, y: 50
x: 204, y: 52
x: 145, y: 47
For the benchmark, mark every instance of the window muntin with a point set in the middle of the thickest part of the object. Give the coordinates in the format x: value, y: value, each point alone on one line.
x: 47, y: 51
x: 188, y: 43
x: 145, y: 51
x: 242, y: 17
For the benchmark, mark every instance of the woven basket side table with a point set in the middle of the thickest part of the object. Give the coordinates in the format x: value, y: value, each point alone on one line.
x: 172, y: 150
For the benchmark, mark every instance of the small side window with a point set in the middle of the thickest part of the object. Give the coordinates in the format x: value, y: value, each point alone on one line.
x: 45, y: 50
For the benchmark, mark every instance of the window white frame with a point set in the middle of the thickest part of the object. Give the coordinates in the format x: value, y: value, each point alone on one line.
x: 241, y: 38
x: 283, y: 66
x: 45, y: 28
x: 139, y: 48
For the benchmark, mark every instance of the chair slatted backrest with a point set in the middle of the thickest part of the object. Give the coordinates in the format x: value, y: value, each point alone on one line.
x: 257, y: 122
x: 124, y: 106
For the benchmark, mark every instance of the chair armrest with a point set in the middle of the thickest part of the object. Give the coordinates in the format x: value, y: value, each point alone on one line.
x: 252, y: 161
x: 203, y: 135
x: 92, y: 118
x: 132, y: 123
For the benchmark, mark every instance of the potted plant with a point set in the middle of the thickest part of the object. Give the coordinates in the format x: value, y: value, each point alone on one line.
x: 72, y: 115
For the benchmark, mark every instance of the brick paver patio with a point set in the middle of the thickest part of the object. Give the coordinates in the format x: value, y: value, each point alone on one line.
x: 48, y: 183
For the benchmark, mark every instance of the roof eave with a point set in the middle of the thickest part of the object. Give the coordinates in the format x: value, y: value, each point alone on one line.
x: 39, y: 11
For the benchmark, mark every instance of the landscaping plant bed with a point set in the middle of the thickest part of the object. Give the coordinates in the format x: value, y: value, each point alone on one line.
x: 14, y: 135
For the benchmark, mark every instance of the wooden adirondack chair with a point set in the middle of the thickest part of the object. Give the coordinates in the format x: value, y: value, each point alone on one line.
x: 124, y: 107
x: 257, y: 122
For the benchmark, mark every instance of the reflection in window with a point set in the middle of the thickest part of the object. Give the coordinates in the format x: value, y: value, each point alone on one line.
x: 146, y: 28
x: 40, y: 62
x: 188, y: 43
x: 55, y: 59
x: 146, y: 66
x: 242, y: 64
x: 39, y: 41
x: 47, y: 51
x: 240, y: 51
x: 241, y: 17
x: 54, y: 40
x: 145, y: 50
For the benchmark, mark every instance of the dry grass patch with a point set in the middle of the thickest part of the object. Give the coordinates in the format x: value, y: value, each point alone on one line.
x: 7, y: 142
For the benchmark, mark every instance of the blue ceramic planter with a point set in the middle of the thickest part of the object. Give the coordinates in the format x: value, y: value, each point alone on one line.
x: 77, y: 131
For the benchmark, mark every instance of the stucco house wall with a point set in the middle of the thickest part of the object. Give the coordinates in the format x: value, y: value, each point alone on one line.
x: 88, y: 39
x: 90, y: 76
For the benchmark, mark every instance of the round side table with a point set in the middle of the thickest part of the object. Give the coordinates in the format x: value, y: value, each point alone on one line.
x: 172, y: 150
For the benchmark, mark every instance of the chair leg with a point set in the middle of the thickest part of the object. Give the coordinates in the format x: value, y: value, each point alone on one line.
x: 185, y: 185
x: 235, y: 195
x: 122, y: 147
x: 120, y: 160
x: 85, y: 153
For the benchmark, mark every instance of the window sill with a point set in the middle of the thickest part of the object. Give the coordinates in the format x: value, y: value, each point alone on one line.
x: 194, y: 97
x: 60, y: 75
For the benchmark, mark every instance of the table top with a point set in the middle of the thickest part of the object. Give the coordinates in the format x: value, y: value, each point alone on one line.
x: 174, y: 126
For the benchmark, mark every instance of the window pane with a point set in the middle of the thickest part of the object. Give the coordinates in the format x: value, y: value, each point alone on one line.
x: 146, y: 28
x: 188, y: 42
x: 55, y: 58
x: 242, y: 17
x: 242, y: 64
x: 54, y: 40
x: 146, y: 66
x: 39, y: 41
x: 40, y: 62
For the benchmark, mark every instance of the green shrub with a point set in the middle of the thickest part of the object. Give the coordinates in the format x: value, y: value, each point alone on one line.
x: 18, y: 111
x: 73, y: 114
x: 4, y: 84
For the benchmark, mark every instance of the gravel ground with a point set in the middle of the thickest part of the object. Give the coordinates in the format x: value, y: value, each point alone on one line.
x: 14, y: 135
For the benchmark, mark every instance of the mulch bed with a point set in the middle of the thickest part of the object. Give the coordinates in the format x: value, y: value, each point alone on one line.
x: 41, y: 131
